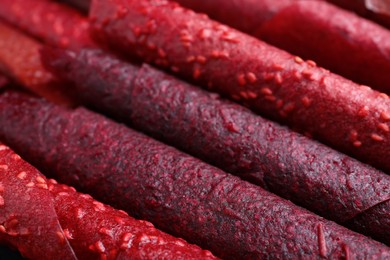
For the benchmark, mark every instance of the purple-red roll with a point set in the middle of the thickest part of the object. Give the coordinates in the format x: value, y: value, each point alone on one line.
x: 176, y: 192
x: 230, y: 137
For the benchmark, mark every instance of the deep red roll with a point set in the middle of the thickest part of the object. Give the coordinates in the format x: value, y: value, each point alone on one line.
x: 51, y: 22
x: 352, y: 118
x: 230, y: 137
x: 19, y: 60
x: 47, y: 220
x: 177, y: 192
x: 336, y: 39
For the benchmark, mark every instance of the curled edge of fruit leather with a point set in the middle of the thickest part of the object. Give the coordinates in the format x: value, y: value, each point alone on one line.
x: 27, y: 211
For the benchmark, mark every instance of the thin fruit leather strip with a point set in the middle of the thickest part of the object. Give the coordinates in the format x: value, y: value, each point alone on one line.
x: 178, y: 193
x: 376, y: 10
x: 336, y: 39
x: 349, y: 117
x: 47, y: 220
x: 20, y: 61
x: 51, y: 22
x: 229, y: 136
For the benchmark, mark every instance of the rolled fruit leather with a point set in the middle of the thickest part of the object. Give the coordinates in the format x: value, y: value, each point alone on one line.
x: 178, y: 193
x: 229, y: 136
x: 351, y: 118
x: 49, y: 21
x: 19, y: 61
x: 47, y: 220
x: 336, y: 39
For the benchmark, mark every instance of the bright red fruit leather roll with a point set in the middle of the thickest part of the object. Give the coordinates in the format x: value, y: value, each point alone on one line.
x: 178, y: 193
x: 19, y: 60
x: 335, y: 38
x: 352, y: 118
x: 377, y: 10
x: 231, y: 137
x: 47, y: 220
x: 52, y: 22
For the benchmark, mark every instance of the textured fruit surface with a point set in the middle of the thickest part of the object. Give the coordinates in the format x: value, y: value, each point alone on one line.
x: 352, y: 118
x: 229, y: 136
x: 178, y: 193
x: 20, y: 61
x: 27, y: 212
x: 47, y: 220
x: 51, y: 22
x: 336, y: 39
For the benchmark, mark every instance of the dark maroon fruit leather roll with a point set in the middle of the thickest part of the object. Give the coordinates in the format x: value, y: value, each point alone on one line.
x: 229, y: 136
x: 176, y: 192
x: 336, y: 39
x: 47, y: 220
x: 352, y: 118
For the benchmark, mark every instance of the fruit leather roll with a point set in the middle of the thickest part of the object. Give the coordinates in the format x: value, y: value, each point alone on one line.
x: 231, y: 137
x: 352, y: 118
x: 47, y: 20
x: 176, y: 192
x: 19, y: 60
x: 377, y: 10
x: 47, y: 220
x: 335, y: 38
